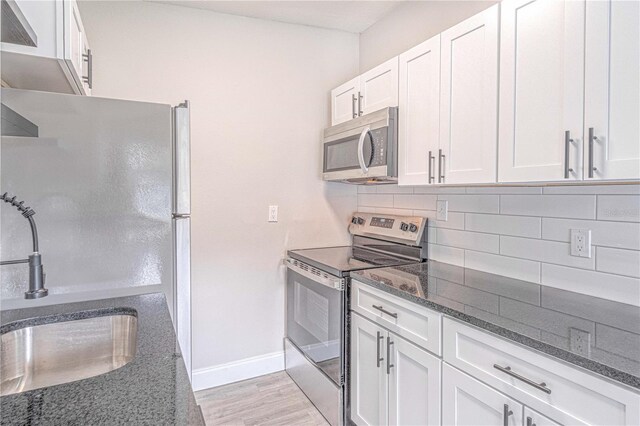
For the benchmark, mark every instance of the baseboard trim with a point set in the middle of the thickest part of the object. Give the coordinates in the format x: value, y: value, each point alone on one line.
x: 210, y: 377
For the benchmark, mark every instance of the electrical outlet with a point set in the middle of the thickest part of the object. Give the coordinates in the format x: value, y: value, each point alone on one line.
x: 579, y: 342
x: 581, y: 242
x: 273, y: 213
x: 442, y: 210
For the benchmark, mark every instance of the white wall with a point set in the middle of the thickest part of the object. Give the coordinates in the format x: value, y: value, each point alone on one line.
x: 410, y: 24
x: 523, y: 232
x: 259, y: 92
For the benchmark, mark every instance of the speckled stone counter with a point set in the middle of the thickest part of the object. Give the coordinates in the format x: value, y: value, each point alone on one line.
x: 152, y: 389
x: 542, y: 318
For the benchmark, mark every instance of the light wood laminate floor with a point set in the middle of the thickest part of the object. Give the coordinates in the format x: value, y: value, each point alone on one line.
x: 273, y: 399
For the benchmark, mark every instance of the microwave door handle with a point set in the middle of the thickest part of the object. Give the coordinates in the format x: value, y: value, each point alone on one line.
x: 363, y: 166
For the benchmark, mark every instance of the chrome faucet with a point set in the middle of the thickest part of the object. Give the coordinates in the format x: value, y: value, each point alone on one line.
x: 36, y: 272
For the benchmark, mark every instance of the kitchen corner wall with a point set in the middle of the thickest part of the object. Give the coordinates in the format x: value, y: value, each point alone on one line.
x: 259, y: 93
x: 523, y: 232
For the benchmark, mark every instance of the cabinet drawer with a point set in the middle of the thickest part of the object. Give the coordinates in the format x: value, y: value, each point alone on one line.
x: 415, y: 323
x: 572, y: 396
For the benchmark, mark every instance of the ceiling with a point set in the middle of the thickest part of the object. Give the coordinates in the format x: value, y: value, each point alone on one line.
x: 351, y: 16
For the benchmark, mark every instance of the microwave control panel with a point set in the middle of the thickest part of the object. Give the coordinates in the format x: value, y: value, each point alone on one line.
x: 379, y: 155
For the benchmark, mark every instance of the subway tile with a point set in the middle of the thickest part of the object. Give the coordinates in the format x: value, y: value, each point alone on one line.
x: 503, y: 322
x: 432, y: 235
x: 555, y: 340
x: 367, y: 189
x: 593, y: 189
x: 393, y: 189
x: 454, y: 256
x: 572, y: 206
x: 468, y: 240
x: 504, y: 190
x: 454, y: 220
x: 472, y: 203
x: 609, y: 234
x: 543, y: 319
x: 619, y: 208
x: 621, y: 363
x: 415, y: 201
x: 468, y: 296
x: 439, y: 190
x: 617, y: 341
x: 595, y: 309
x: 393, y: 211
x: 544, y: 251
x: 501, y: 265
x: 618, y: 261
x: 607, y: 286
x: 364, y: 209
x: 519, y: 226
x: 375, y: 200
x: 504, y: 286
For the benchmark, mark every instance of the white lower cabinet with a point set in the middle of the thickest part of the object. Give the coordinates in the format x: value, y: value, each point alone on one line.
x: 467, y: 401
x: 533, y: 418
x: 392, y: 381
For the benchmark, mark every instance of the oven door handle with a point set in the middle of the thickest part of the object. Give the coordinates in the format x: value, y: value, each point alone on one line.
x: 366, y: 132
x: 324, y: 278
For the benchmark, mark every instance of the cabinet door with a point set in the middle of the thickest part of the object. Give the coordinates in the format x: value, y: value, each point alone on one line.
x: 379, y: 87
x: 541, y: 90
x: 368, y: 373
x: 469, y: 106
x: 419, y: 102
x: 344, y: 101
x: 612, y: 87
x: 533, y: 418
x: 466, y: 401
x: 414, y: 385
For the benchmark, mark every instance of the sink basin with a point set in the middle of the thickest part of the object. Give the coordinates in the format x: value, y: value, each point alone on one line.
x: 37, y: 356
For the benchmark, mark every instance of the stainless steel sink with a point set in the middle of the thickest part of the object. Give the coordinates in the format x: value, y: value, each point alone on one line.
x: 50, y: 354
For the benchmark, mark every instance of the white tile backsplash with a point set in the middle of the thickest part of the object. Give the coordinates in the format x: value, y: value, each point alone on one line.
x: 523, y: 232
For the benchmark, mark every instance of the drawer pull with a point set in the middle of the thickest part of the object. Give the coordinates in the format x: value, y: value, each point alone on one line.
x: 507, y: 370
x: 381, y: 309
x: 505, y: 415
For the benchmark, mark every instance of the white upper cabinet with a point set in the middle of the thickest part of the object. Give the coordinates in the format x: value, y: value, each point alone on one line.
x: 541, y: 90
x: 379, y: 87
x: 419, y: 103
x: 469, y: 100
x: 374, y: 90
x: 344, y: 101
x: 612, y: 90
x: 61, y: 61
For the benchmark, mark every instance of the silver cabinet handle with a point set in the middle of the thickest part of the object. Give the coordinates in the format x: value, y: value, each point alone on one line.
x: 381, y: 309
x: 88, y: 58
x: 378, y: 358
x: 431, y: 158
x: 507, y: 370
x: 592, y: 138
x: 567, y: 144
x: 353, y: 106
x: 530, y: 422
x: 440, y: 166
x: 389, y: 365
x: 505, y: 415
x: 360, y: 103
x: 364, y: 167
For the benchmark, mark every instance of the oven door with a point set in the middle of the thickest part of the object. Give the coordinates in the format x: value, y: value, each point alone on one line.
x: 315, y: 317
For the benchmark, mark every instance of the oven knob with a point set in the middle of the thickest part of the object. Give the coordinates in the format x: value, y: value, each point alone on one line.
x: 404, y: 226
x: 354, y: 220
x: 413, y: 228
x: 360, y: 221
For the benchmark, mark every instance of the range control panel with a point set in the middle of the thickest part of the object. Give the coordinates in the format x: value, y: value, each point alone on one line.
x: 405, y: 229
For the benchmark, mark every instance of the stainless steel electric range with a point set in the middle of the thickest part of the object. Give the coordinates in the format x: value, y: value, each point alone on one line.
x: 317, y: 329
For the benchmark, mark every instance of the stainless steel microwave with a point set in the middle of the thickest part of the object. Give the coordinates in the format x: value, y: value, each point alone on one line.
x: 363, y: 150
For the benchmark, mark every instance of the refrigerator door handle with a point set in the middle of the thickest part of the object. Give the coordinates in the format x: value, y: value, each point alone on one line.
x: 181, y: 159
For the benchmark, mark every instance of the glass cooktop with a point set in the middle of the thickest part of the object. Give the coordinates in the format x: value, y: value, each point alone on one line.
x: 340, y: 261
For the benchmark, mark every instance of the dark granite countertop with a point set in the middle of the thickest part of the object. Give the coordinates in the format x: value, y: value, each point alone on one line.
x: 540, y: 317
x: 152, y: 389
